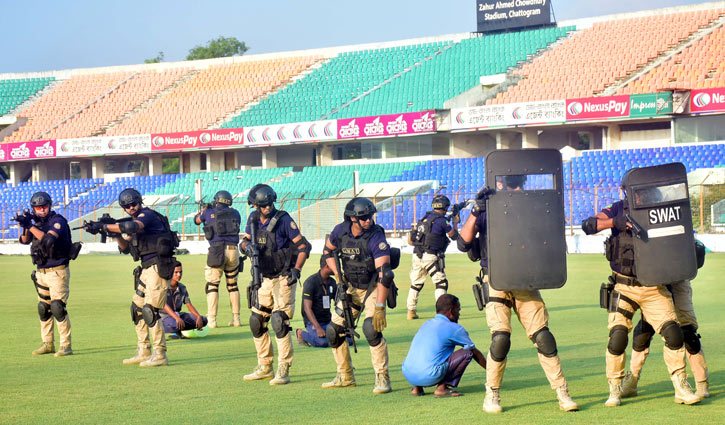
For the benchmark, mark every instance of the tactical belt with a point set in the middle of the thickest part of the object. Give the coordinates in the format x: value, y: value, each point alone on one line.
x: 625, y: 280
x: 504, y: 301
x: 52, y: 269
x: 150, y: 262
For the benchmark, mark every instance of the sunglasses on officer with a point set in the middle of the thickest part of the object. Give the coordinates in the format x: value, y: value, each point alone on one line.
x: 130, y: 205
x: 365, y: 217
x: 41, y: 207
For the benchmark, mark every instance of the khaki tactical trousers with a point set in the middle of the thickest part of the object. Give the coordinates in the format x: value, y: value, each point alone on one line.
x: 427, y: 265
x: 273, y: 295
x: 213, y: 276
x: 155, y: 292
x: 53, y: 284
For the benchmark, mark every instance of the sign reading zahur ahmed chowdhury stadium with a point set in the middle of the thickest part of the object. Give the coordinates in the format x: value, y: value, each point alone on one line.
x: 495, y: 15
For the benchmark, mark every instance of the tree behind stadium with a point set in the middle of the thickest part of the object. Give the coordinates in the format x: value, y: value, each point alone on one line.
x: 218, y: 48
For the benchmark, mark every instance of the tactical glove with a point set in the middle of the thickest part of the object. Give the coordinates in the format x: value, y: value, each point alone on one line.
x: 620, y: 223
x: 293, y: 276
x: 93, y: 227
x: 379, y: 322
x: 24, y: 220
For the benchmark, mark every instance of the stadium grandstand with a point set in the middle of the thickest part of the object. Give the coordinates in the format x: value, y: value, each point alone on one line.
x: 396, y: 121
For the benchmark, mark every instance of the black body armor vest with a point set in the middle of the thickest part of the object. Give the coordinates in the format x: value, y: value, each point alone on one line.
x: 358, y: 263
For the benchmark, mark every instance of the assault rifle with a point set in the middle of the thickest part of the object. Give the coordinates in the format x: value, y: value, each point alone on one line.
x: 637, y: 230
x: 252, y: 252
x: 345, y: 300
x: 96, y: 227
x: 456, y: 209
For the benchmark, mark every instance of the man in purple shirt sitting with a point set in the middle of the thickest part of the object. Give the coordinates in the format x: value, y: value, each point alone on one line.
x: 172, y: 317
x: 432, y: 360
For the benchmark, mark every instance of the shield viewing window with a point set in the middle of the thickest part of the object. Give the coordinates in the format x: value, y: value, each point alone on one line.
x: 655, y: 195
x: 526, y: 182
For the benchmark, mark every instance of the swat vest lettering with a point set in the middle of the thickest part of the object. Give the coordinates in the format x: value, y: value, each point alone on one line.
x: 61, y: 248
x: 161, y: 244
x: 225, y: 223
x: 619, y: 250
x: 358, y: 263
x: 424, y: 240
x: 272, y: 261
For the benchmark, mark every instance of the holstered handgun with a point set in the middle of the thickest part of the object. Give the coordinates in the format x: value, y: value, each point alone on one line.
x: 480, y: 290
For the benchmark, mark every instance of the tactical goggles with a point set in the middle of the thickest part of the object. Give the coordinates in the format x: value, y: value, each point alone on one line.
x: 40, y: 207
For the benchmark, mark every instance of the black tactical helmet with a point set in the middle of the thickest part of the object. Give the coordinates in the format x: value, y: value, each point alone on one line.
x: 223, y: 198
x: 360, y: 207
x: 40, y: 199
x: 441, y: 202
x: 261, y: 195
x: 128, y: 197
x: 515, y: 181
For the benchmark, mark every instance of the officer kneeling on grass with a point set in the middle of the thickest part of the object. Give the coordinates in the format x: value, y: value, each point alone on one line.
x: 51, y: 249
x: 149, y: 239
x: 221, y: 229
x: 172, y: 317
x: 651, y: 246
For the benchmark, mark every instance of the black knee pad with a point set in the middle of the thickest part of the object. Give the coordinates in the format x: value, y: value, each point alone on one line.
x: 374, y: 337
x: 258, y: 324
x: 335, y: 335
x: 150, y: 315
x: 545, y: 342
x: 618, y: 340
x: 673, y: 335
x: 280, y: 323
x: 692, y: 339
x: 500, y: 345
x: 212, y: 287
x: 443, y: 284
x: 232, y: 287
x: 44, y: 311
x: 136, y: 314
x: 642, y: 336
x: 57, y: 307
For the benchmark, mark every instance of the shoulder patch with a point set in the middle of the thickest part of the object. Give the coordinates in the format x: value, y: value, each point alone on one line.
x: 292, y: 225
x: 211, y: 215
x: 383, y: 246
x: 142, y: 214
x: 57, y: 226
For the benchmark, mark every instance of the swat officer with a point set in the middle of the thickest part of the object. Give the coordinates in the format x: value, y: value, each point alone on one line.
x: 283, y: 251
x: 365, y: 256
x: 221, y: 229
x: 630, y: 287
x: 147, y: 236
x: 429, y: 239
x: 527, y: 304
x: 51, y: 249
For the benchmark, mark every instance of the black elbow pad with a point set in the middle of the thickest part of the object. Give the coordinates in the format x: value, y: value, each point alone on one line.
x: 128, y: 227
x: 589, y: 226
x: 462, y: 245
x: 388, y: 275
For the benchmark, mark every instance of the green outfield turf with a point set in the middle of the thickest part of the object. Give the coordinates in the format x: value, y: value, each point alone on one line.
x: 203, y: 383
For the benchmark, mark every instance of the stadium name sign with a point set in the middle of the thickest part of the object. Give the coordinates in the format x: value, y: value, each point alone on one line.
x: 312, y: 131
x: 707, y: 100
x: 386, y: 125
x: 107, y: 145
x: 498, y: 15
x: 224, y: 138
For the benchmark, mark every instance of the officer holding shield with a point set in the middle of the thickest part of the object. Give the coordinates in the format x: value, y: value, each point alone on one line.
x: 51, y: 249
x: 221, y: 229
x: 430, y: 238
x: 650, y: 247
x: 501, y: 238
x: 282, y: 253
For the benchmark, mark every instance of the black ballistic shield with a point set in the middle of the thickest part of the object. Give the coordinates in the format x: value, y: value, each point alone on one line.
x: 525, y: 220
x: 659, y: 201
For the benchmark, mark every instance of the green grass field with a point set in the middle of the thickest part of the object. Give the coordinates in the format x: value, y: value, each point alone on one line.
x: 203, y: 383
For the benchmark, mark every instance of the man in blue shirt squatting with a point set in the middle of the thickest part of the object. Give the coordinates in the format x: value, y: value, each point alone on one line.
x: 432, y: 360
x: 173, y: 318
x: 221, y: 229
